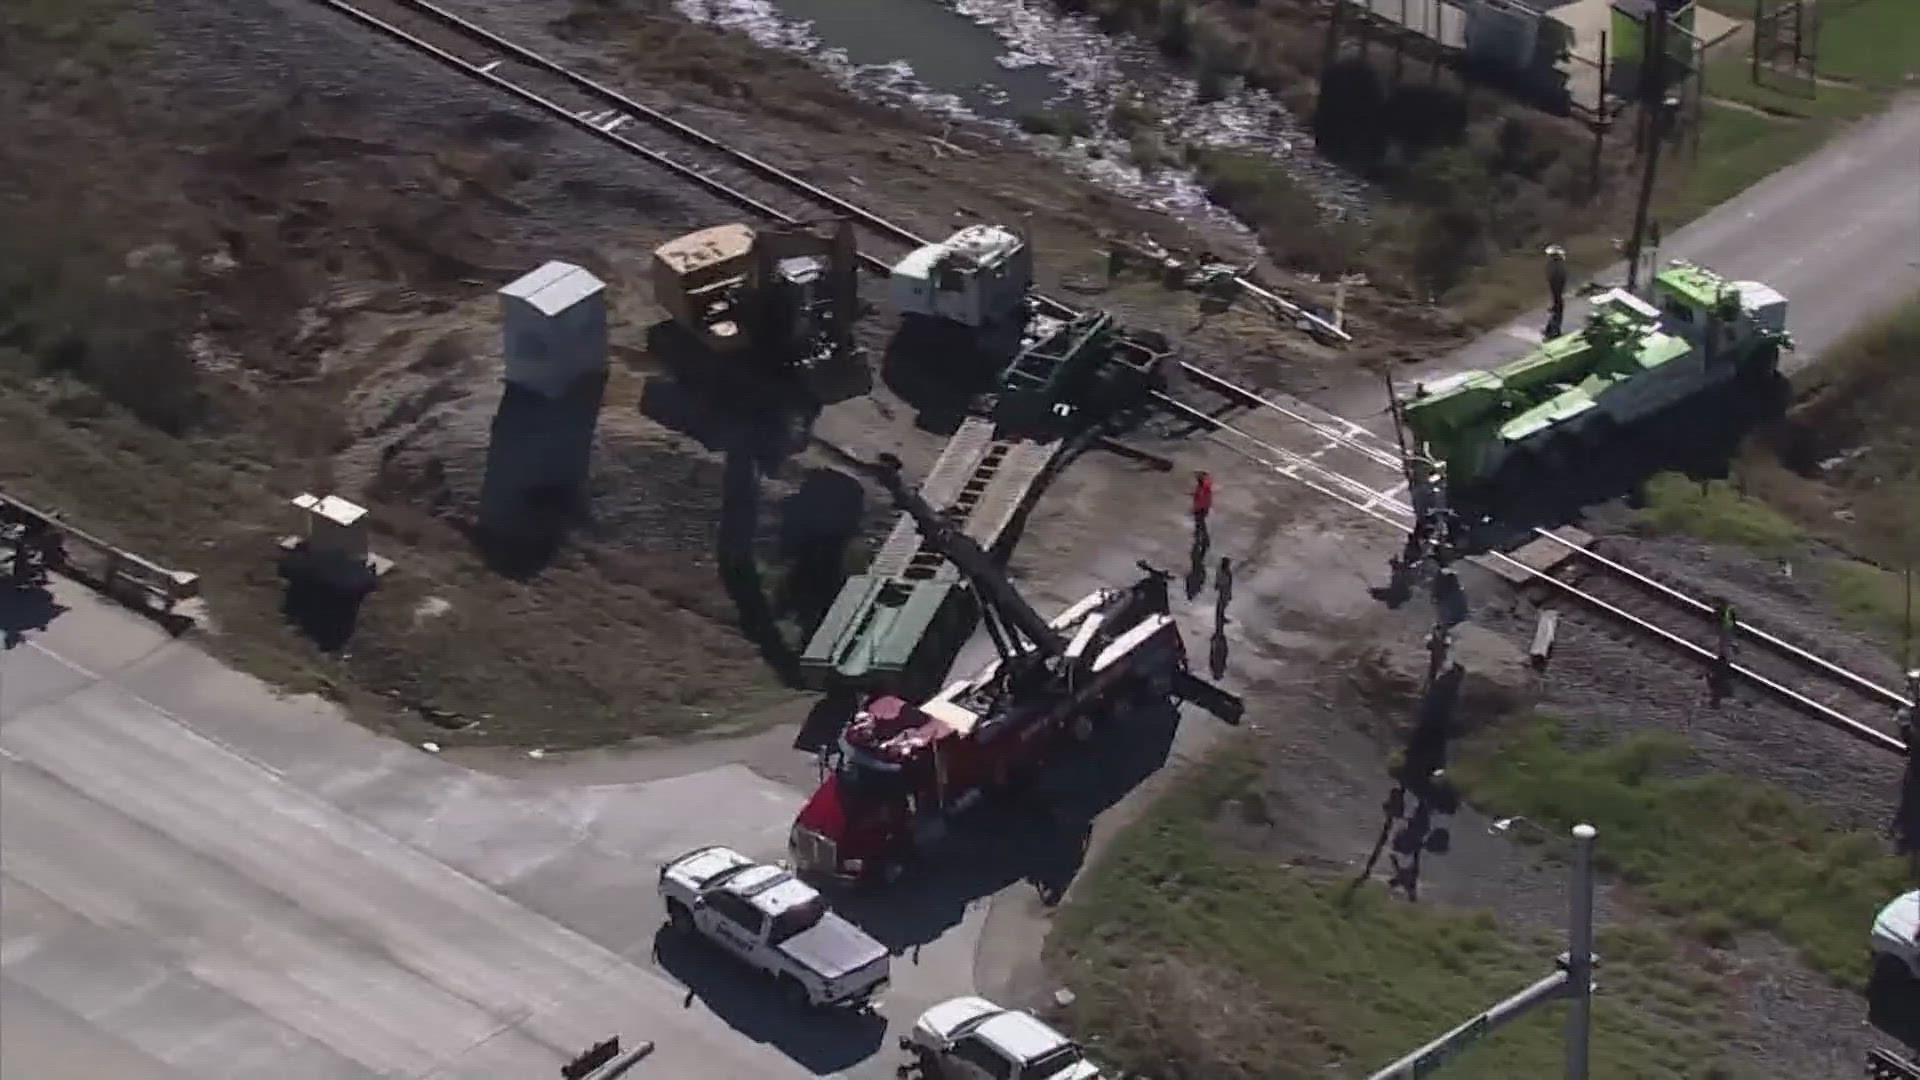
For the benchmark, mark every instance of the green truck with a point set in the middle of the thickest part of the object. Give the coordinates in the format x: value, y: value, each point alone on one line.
x: 1632, y: 359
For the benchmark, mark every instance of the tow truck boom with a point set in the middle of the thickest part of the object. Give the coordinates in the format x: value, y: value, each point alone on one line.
x: 996, y: 592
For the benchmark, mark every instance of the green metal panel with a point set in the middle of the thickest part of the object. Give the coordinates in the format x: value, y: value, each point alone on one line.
x: 1697, y: 285
x: 874, y: 629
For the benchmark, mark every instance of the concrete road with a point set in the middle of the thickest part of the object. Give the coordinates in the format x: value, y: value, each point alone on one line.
x: 203, y: 879
x: 1838, y: 233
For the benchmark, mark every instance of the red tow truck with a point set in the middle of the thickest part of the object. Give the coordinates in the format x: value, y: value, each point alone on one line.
x: 903, y: 770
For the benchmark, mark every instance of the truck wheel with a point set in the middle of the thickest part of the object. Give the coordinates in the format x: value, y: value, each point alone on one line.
x: 1760, y: 364
x: 794, y: 993
x: 680, y: 917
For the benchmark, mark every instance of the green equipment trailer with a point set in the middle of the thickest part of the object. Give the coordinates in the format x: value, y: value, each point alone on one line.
x: 896, y: 627
x: 1632, y: 359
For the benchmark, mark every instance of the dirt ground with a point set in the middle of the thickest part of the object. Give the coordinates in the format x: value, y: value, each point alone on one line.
x: 342, y: 216
x: 336, y: 215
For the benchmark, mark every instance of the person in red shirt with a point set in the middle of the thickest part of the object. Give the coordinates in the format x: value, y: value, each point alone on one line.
x: 1202, y: 497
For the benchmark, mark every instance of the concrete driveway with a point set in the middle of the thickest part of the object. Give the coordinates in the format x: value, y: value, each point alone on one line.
x: 205, y: 880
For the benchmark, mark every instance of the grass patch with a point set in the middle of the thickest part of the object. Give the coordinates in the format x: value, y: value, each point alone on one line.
x: 1192, y: 959
x: 1874, y: 42
x: 1871, y: 598
x: 1716, y: 510
x: 1858, y: 408
x: 1719, y: 854
x: 1870, y: 44
x: 1774, y: 518
x: 1290, y: 223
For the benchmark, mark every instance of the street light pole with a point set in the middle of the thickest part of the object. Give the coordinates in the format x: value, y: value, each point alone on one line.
x: 1573, y: 981
x: 1580, y: 954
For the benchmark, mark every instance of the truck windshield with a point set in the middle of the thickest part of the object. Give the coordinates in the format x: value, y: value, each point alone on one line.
x: 795, y: 919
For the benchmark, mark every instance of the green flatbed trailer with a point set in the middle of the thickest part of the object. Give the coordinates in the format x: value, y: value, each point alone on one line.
x: 894, y: 627
x: 1632, y: 359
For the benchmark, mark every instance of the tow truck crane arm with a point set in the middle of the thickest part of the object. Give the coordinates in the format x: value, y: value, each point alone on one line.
x: 995, y: 591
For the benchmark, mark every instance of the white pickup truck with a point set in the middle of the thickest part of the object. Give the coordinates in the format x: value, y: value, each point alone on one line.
x: 777, y: 923
x: 971, y: 1038
x: 1896, y: 935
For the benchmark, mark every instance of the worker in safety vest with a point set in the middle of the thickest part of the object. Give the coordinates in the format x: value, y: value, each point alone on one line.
x: 1720, y: 675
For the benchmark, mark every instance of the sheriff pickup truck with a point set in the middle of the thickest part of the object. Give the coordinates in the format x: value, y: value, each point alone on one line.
x: 776, y: 923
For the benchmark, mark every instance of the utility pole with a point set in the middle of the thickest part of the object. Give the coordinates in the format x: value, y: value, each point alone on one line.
x: 1644, y: 204
x: 1574, y: 982
x: 1653, y: 82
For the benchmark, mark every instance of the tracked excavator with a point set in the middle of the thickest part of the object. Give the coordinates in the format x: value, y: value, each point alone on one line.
x: 779, y: 300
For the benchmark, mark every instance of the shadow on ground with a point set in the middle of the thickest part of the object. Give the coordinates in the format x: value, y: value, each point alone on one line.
x: 821, y: 1041
x: 1699, y: 438
x: 1893, y: 1004
x: 539, y: 453
x: 1416, y: 811
x: 936, y: 372
x: 23, y: 610
x: 818, y: 523
x: 325, y: 613
x: 1037, y: 836
x: 757, y: 421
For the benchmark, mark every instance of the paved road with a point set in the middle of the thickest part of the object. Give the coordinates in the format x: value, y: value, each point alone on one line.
x: 200, y: 879
x: 1838, y: 233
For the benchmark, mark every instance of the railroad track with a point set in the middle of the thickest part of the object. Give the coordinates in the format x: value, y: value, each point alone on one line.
x: 1803, y: 680
x: 1338, y: 458
x: 745, y: 181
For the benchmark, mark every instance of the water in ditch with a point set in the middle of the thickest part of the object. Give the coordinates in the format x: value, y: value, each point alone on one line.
x: 999, y: 61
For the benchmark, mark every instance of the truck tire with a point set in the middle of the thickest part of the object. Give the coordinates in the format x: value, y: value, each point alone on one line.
x: 680, y: 917
x: 794, y: 993
x: 1759, y: 364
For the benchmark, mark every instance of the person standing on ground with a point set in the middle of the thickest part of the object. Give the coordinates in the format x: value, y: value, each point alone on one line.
x: 1223, y: 591
x: 1202, y: 498
x: 1202, y: 506
x: 1556, y: 290
x: 1720, y: 675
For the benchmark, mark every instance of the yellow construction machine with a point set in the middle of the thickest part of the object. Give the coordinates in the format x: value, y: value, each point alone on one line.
x: 785, y: 298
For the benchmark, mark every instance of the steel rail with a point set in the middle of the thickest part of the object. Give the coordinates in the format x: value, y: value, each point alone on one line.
x: 1794, y: 698
x: 764, y: 170
x: 625, y: 105
x: 606, y: 95
x: 482, y: 73
x: 1380, y: 454
x: 1858, y: 682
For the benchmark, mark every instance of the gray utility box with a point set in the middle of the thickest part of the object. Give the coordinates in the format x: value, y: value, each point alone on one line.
x: 554, y: 325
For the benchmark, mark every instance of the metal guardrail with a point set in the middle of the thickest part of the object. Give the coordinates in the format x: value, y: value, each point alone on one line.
x: 114, y: 571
